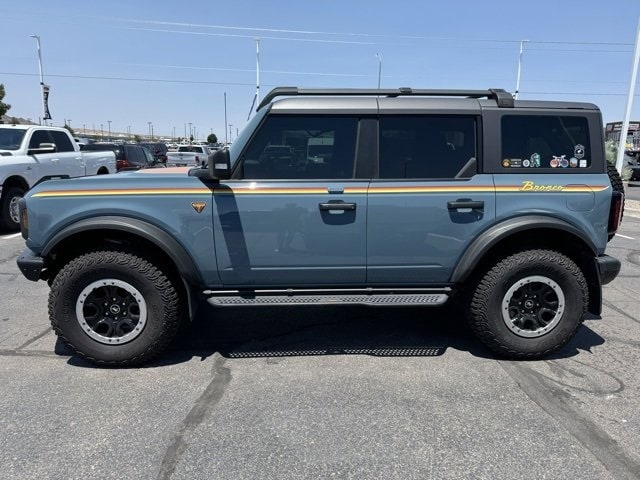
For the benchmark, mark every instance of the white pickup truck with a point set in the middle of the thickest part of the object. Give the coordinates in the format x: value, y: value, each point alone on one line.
x: 30, y: 154
x: 188, y: 155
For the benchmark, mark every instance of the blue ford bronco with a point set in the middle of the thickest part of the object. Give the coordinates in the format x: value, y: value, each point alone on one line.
x: 343, y: 196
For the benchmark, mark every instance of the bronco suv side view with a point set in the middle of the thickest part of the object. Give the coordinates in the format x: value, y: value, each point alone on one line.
x: 379, y: 197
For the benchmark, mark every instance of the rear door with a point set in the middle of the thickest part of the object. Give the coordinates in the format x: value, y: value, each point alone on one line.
x: 48, y: 163
x: 428, y: 202
x: 291, y: 218
x: 70, y: 162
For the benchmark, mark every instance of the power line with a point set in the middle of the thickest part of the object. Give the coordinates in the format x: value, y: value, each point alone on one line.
x: 246, y: 70
x: 350, y: 34
x: 158, y: 80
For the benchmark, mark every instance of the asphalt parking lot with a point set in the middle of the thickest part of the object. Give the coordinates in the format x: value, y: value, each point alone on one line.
x: 323, y: 393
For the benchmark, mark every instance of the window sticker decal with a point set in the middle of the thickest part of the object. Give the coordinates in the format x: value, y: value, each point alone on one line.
x: 578, y: 151
x: 535, y: 160
x: 573, y: 162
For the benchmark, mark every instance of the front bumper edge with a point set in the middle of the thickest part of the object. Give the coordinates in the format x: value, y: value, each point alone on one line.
x: 30, y: 264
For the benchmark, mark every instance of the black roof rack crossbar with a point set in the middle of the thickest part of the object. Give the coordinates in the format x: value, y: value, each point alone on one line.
x: 501, y: 96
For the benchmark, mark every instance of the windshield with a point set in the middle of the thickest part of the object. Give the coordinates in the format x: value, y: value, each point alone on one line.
x: 10, y: 138
x: 238, y: 145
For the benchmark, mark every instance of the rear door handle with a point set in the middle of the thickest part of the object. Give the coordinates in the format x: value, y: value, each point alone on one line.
x: 465, y: 203
x: 325, y: 207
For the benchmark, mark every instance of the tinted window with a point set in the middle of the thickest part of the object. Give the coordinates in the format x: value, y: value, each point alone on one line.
x: 134, y: 155
x: 62, y: 141
x: 38, y: 137
x: 117, y: 149
x: 539, y: 141
x: 10, y: 138
x: 425, y: 146
x: 299, y: 147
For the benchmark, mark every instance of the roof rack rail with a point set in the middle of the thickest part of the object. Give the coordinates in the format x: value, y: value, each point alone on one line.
x: 502, y: 97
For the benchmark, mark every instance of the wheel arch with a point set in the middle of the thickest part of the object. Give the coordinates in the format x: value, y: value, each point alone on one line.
x: 532, y: 231
x: 15, y: 181
x: 96, y: 231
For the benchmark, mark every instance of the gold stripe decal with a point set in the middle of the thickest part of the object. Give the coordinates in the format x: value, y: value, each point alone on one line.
x: 525, y: 187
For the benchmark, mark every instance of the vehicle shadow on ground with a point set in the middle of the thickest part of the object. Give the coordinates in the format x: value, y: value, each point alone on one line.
x: 270, y: 332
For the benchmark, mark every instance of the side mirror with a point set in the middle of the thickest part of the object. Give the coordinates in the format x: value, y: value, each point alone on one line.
x: 220, y: 164
x: 43, y: 148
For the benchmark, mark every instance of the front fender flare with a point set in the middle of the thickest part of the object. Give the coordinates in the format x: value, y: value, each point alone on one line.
x: 183, y: 261
x: 487, y: 239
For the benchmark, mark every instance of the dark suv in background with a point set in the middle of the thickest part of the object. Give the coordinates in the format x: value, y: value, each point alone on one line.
x: 128, y: 157
x: 158, y: 150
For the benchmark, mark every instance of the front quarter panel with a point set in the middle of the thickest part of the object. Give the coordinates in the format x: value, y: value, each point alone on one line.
x: 169, y: 201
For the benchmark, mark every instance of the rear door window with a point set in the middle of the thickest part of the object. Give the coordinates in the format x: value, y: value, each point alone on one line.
x: 543, y: 142
x: 426, y: 146
x: 62, y: 141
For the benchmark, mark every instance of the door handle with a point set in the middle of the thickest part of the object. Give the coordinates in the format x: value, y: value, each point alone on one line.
x: 325, y: 207
x: 465, y: 203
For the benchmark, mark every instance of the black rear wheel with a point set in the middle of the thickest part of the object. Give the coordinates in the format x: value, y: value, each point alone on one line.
x: 529, y: 304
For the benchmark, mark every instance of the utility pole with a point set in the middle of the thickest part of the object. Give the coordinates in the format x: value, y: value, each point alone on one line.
x: 226, y: 139
x: 189, y: 132
x: 230, y: 132
x: 515, y: 95
x: 149, y: 123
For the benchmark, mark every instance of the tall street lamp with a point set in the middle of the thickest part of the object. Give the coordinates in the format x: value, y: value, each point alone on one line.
x: 109, y: 122
x: 189, y: 131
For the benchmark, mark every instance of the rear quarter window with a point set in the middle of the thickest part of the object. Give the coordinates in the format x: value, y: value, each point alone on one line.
x: 544, y: 143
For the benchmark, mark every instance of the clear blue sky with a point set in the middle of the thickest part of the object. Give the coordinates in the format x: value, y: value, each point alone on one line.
x: 171, y: 62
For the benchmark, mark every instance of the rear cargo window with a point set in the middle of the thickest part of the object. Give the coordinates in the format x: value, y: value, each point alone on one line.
x: 543, y: 142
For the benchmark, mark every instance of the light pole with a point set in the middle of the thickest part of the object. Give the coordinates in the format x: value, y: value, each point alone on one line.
x: 84, y: 130
x: 129, y: 132
x: 195, y: 135
x: 230, y: 132
x: 379, y: 68
x: 109, y: 122
x: 189, y: 132
x: 226, y: 139
x: 44, y: 90
x: 101, y: 132
x: 515, y: 95
x: 173, y: 137
x: 149, y: 123
x: 152, y: 132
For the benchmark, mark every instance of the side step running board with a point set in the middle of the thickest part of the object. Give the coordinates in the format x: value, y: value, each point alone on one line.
x: 398, y: 297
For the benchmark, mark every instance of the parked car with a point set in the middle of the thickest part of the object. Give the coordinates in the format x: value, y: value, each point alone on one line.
x: 158, y: 150
x: 189, y: 156
x: 31, y: 154
x: 128, y: 156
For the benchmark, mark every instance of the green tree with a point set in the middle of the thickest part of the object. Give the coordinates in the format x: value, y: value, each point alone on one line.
x: 4, y: 107
x: 137, y: 138
x: 68, y: 127
x: 212, y: 138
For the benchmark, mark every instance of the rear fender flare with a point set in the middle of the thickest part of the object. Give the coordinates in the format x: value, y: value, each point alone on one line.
x: 491, y: 237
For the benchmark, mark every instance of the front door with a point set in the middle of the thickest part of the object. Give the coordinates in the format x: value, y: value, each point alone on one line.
x: 294, y: 216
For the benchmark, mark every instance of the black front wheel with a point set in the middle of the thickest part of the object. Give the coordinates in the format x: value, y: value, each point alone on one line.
x: 529, y: 304
x: 114, y: 307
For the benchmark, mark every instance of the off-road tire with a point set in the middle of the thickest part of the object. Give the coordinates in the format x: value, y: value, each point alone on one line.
x: 617, y: 186
x: 9, y: 197
x: 161, y: 297
x: 486, y: 305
